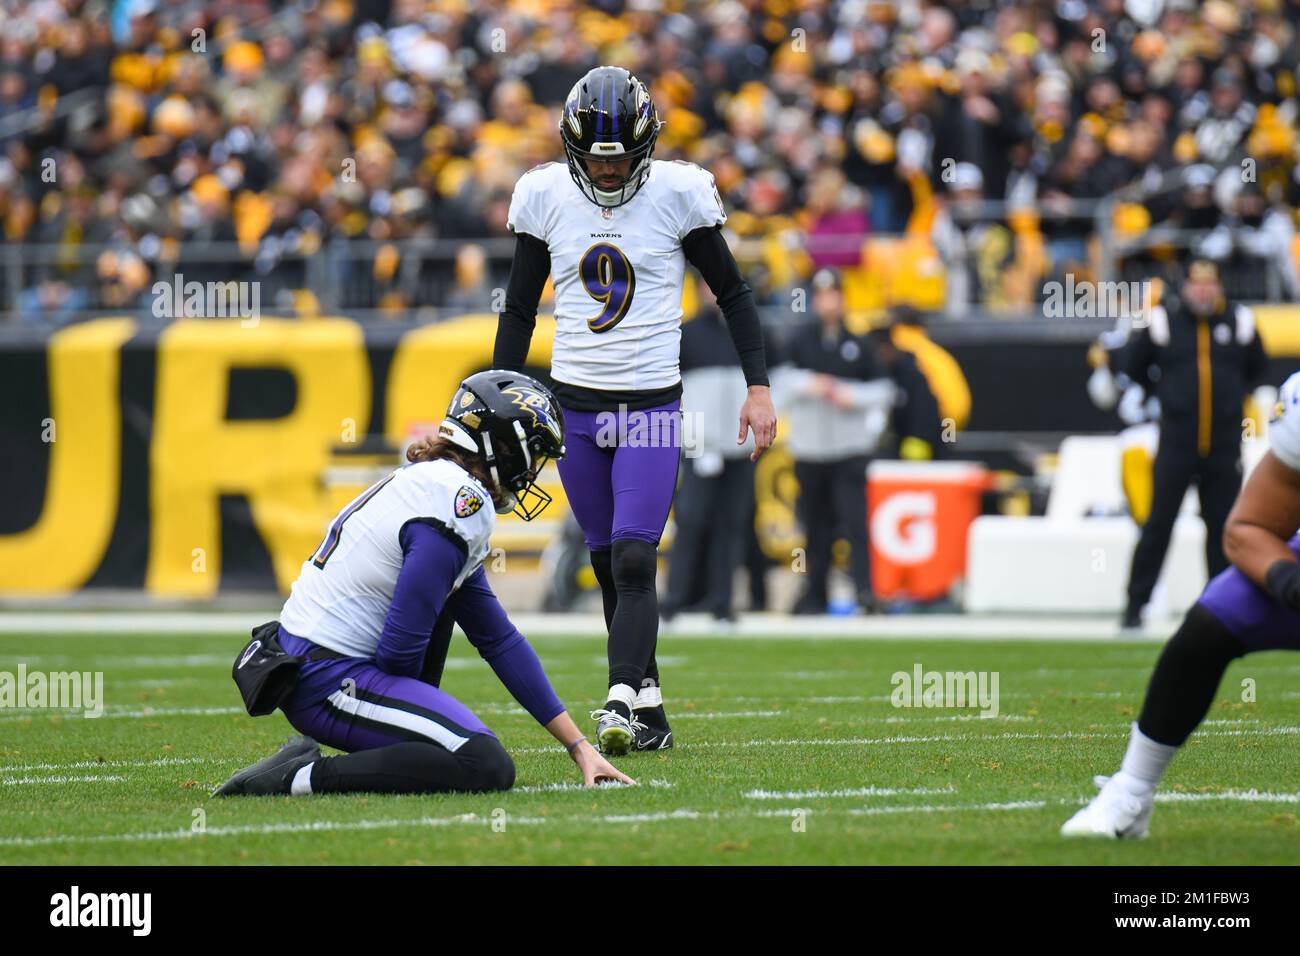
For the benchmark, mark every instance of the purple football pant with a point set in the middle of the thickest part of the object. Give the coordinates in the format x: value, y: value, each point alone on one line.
x: 620, y: 471
x: 1249, y: 613
x: 351, y: 705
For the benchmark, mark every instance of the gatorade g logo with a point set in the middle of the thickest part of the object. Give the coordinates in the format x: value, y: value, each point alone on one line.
x: 902, y: 528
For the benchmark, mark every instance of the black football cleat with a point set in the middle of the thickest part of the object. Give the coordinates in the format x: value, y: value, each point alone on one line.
x: 273, y: 774
x: 650, y: 730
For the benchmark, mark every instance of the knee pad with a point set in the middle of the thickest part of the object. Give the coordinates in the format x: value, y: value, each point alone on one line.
x: 634, y: 562
x: 488, y: 764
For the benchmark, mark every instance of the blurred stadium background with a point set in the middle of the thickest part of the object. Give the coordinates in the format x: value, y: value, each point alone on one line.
x: 349, y: 165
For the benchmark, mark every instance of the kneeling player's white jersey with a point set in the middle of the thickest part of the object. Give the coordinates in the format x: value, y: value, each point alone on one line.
x: 617, y: 272
x: 342, y: 595
x: 1284, y: 428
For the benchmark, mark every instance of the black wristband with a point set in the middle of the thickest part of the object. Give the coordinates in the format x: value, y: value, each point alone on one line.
x: 1283, y: 582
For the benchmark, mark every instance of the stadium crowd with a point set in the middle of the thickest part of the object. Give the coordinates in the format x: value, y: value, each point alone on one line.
x: 966, y: 143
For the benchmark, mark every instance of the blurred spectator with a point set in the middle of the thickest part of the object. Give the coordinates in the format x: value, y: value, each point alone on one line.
x: 915, y: 430
x: 825, y: 125
x: 471, y: 292
x: 837, y: 223
x: 52, y: 301
x: 834, y: 399
x: 942, y: 373
x: 1253, y: 231
x: 716, y: 494
x: 1204, y: 355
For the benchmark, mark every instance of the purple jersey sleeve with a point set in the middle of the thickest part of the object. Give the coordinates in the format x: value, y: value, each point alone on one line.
x: 484, y: 621
x: 431, y: 561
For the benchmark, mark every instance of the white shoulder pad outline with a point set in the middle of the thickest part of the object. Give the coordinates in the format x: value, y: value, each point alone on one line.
x: 526, y: 214
x: 695, y: 194
x: 458, y: 500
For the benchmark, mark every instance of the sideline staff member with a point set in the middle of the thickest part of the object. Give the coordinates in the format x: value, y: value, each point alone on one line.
x: 1208, y: 358
x: 837, y: 398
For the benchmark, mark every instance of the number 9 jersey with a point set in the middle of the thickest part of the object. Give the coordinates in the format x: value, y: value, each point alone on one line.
x: 617, y: 271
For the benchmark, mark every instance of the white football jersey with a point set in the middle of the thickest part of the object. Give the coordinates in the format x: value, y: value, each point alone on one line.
x: 617, y: 272
x: 343, y: 594
x: 1284, y: 428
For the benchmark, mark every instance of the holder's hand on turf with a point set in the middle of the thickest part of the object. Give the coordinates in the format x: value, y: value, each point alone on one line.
x: 758, y: 415
x: 595, y: 768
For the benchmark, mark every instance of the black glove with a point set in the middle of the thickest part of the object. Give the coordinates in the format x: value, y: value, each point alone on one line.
x: 1283, y: 581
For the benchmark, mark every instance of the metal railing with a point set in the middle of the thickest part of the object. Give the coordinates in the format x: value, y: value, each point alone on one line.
x: 48, y: 283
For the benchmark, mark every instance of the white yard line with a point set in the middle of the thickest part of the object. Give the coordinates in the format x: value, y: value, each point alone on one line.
x: 147, y: 712
x: 65, y: 662
x: 592, y: 626
x: 957, y: 718
x: 840, y: 794
x: 611, y: 785
x: 314, y: 826
x: 1237, y: 796
x: 17, y: 781
x: 940, y: 738
x: 98, y: 764
x: 956, y: 808
x: 887, y: 698
x: 683, y: 814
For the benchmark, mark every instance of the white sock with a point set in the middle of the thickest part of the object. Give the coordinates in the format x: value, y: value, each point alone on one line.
x: 623, y: 693
x: 1145, y: 760
x: 647, y: 697
x: 301, y: 785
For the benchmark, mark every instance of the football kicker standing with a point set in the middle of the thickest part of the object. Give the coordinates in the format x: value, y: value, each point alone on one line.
x: 1253, y: 605
x: 618, y: 256
x: 372, y: 611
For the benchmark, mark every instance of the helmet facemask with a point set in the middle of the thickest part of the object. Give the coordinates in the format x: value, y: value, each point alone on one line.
x: 515, y: 466
x: 609, y: 115
x: 622, y: 194
x: 514, y: 424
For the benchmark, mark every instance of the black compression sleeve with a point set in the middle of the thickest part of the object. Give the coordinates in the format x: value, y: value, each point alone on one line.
x: 707, y: 251
x: 528, y: 272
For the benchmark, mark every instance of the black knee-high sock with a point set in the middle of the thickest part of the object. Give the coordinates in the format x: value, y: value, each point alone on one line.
x: 1186, y: 677
x: 417, y: 767
x: 635, y: 624
x: 603, y: 564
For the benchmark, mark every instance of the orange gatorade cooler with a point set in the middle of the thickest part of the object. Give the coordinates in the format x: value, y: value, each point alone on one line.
x: 918, y: 514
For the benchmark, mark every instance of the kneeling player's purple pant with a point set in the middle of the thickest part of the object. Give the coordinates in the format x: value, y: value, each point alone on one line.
x: 350, y: 704
x: 1249, y: 613
x: 620, y: 471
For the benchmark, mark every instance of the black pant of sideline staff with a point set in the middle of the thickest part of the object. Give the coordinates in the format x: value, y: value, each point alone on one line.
x: 710, y: 537
x: 833, y: 504
x: 1218, y: 479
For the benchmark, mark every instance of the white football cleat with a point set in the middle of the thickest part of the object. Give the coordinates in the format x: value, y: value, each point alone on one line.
x: 1115, y: 813
x: 614, y: 733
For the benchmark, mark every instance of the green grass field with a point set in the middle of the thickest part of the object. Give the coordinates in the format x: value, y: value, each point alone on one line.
x: 789, y: 751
